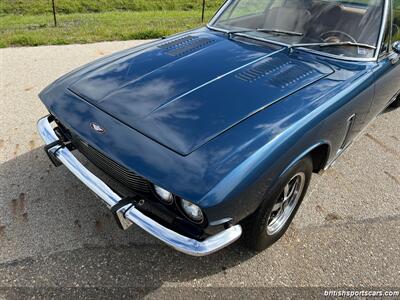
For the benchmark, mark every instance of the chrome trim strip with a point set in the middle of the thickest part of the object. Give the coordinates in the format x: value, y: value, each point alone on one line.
x: 350, y: 126
x: 129, y: 214
x: 219, y: 12
x: 386, y: 12
x: 346, y: 58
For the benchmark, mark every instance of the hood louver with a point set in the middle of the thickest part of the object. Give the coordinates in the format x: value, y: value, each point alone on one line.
x: 291, y: 76
x: 185, y: 45
x: 177, y: 42
x: 284, y: 74
x: 261, y: 70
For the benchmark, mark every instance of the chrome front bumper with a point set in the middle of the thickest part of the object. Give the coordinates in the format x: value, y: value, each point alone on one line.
x: 128, y: 214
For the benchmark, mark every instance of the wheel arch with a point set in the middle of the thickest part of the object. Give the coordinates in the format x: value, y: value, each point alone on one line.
x: 319, y: 153
x: 320, y: 157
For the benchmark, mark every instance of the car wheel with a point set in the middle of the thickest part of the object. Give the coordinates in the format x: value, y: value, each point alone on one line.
x: 273, y: 217
x: 396, y: 103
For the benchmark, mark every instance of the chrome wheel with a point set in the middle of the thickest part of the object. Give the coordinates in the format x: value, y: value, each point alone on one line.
x: 286, y: 204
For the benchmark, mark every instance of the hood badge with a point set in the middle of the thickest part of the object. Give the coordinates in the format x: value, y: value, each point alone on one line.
x: 97, y: 128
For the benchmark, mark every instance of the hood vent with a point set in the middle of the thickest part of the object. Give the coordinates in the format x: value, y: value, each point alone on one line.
x: 282, y: 74
x: 178, y: 42
x: 260, y: 70
x: 185, y: 45
x: 292, y: 75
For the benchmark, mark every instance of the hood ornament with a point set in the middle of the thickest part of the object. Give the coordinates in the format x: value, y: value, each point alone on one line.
x: 97, y: 128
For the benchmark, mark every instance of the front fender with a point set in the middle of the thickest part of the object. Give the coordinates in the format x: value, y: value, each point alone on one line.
x: 241, y: 192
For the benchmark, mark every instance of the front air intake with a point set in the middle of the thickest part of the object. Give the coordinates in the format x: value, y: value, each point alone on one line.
x: 128, y: 178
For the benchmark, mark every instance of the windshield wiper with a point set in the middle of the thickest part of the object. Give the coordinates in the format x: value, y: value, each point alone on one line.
x: 338, y: 44
x: 266, y: 30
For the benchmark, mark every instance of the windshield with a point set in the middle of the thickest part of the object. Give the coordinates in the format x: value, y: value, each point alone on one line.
x: 348, y: 26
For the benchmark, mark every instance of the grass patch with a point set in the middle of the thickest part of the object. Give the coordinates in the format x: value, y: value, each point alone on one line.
x: 30, y: 22
x: 396, y: 6
x: 39, y: 7
x: 34, y: 30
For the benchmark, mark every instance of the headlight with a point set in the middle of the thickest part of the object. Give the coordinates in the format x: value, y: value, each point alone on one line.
x: 192, y: 211
x: 164, y: 194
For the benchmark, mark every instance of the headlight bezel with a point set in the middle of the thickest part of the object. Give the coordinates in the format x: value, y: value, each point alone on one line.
x: 179, y: 205
x: 187, y: 214
x: 168, y: 197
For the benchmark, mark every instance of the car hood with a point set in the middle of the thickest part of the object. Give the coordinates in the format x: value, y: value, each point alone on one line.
x: 187, y: 90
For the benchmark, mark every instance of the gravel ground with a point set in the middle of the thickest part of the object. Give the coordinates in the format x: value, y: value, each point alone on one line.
x: 56, y: 238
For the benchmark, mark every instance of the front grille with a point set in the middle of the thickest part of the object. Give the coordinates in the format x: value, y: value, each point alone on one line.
x: 128, y: 178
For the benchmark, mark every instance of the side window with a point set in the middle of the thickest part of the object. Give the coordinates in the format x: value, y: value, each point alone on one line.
x: 396, y: 20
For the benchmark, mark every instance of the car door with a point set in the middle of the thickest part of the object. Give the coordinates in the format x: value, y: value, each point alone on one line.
x: 388, y: 70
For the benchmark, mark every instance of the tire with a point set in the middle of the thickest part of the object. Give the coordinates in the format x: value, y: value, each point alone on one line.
x: 396, y: 103
x: 268, y: 224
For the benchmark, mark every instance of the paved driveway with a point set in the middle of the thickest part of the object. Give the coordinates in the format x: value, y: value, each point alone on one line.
x: 55, y: 234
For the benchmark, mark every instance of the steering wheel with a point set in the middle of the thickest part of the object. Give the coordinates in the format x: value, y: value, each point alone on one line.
x: 337, y: 36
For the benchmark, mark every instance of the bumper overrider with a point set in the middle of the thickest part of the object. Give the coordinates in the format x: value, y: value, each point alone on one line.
x: 126, y: 213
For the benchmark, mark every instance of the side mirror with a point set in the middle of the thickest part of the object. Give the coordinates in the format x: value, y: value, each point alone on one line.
x: 396, y: 47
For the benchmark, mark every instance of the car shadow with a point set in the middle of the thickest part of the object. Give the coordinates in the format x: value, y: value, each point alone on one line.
x: 50, y: 221
x: 388, y: 110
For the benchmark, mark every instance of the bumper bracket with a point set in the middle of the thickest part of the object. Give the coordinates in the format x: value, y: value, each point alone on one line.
x: 119, y: 209
x: 51, y: 154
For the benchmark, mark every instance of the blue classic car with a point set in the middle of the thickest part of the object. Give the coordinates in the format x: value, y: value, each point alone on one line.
x: 213, y: 134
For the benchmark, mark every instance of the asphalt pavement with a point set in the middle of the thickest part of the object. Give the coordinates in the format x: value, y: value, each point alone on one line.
x: 56, y: 238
